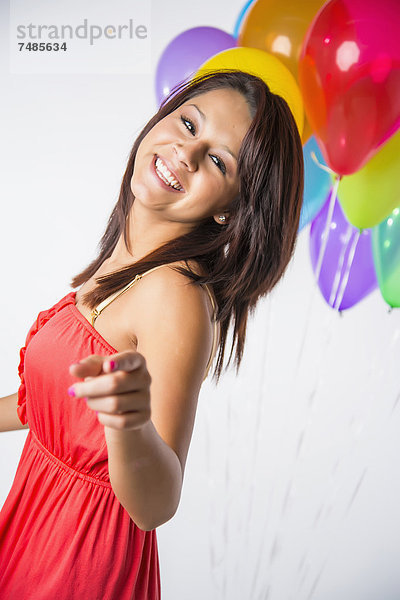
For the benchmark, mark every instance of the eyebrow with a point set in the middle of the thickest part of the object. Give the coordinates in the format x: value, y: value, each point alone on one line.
x: 203, y: 116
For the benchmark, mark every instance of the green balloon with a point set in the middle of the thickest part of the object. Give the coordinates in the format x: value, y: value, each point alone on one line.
x: 369, y: 195
x: 386, y: 253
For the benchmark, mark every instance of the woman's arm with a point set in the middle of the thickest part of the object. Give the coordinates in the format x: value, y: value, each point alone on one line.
x: 9, y: 420
x: 147, y: 404
x: 174, y: 334
x: 145, y: 474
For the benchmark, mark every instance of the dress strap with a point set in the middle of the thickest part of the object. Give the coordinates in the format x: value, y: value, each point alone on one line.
x: 100, y: 307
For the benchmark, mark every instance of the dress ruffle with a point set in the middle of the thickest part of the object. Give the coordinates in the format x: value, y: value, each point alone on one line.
x: 42, y: 318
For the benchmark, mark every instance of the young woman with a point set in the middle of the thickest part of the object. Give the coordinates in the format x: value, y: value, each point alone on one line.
x: 205, y: 224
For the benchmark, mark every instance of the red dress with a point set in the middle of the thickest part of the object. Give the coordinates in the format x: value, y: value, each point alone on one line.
x: 63, y: 533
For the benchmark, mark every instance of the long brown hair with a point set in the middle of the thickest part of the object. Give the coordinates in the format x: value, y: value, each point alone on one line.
x: 246, y: 257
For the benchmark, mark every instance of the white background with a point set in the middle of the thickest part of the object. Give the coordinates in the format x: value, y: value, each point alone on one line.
x: 92, y: 36
x: 291, y: 488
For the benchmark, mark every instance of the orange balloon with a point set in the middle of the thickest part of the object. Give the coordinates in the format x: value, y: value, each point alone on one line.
x: 279, y: 27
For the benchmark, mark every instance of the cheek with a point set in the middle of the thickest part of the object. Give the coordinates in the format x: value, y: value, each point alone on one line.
x: 143, y: 160
x: 210, y: 194
x: 133, y: 186
x: 137, y: 183
x: 218, y: 187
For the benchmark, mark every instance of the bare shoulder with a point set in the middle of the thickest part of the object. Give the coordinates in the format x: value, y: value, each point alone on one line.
x: 174, y: 291
x: 167, y: 307
x: 168, y: 294
x: 174, y: 334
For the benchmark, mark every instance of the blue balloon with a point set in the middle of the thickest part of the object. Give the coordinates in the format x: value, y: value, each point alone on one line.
x: 240, y: 18
x: 317, y: 183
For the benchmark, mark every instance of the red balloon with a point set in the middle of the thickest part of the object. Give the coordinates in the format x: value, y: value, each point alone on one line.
x: 349, y: 75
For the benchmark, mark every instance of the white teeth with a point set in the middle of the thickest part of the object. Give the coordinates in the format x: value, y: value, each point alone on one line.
x: 172, y: 183
x: 166, y: 175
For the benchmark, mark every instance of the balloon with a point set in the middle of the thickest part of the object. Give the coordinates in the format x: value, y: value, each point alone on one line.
x: 349, y: 74
x: 185, y: 53
x: 386, y: 254
x: 347, y: 274
x: 368, y: 196
x: 270, y: 69
x: 278, y: 27
x: 240, y: 18
x: 317, y: 183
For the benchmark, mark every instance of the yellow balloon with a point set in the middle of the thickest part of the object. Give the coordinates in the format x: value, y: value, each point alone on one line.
x: 279, y: 27
x: 369, y: 195
x: 269, y: 68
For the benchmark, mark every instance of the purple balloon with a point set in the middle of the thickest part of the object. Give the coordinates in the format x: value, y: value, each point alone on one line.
x: 347, y: 269
x: 186, y: 53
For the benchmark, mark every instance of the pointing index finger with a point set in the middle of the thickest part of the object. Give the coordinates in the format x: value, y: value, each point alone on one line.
x: 129, y: 360
x: 89, y: 366
x: 95, y: 364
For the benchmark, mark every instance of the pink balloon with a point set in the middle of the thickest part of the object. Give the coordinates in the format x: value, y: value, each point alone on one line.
x: 349, y: 74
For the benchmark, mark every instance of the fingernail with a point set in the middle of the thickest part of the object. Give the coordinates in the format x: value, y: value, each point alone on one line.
x: 71, y: 391
x: 112, y: 364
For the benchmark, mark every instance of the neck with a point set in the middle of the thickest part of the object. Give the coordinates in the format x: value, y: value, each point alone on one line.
x: 146, y: 233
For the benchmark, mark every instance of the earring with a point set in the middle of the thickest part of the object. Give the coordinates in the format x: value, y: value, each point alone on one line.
x: 222, y: 218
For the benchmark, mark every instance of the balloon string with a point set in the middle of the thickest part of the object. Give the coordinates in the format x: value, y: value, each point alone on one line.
x: 339, y: 269
x: 350, y: 259
x: 321, y: 166
x: 327, y: 227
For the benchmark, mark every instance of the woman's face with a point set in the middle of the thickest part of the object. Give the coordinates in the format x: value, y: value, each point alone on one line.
x: 200, y: 147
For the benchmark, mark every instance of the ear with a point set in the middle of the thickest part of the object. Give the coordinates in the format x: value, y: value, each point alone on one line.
x: 222, y: 217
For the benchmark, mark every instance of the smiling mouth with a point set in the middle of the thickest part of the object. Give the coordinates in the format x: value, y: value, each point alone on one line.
x: 165, y: 175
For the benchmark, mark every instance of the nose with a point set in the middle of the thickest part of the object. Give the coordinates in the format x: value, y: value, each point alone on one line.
x: 189, y: 153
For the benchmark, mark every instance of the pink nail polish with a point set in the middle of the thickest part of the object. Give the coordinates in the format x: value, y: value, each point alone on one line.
x: 112, y: 364
x: 71, y: 391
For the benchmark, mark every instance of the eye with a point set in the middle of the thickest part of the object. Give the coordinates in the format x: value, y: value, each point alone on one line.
x: 184, y: 121
x: 221, y: 165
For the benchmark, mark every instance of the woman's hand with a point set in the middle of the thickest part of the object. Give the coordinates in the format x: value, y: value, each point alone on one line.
x: 117, y: 387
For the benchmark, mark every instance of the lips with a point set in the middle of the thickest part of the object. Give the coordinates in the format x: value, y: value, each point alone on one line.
x: 166, y: 163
